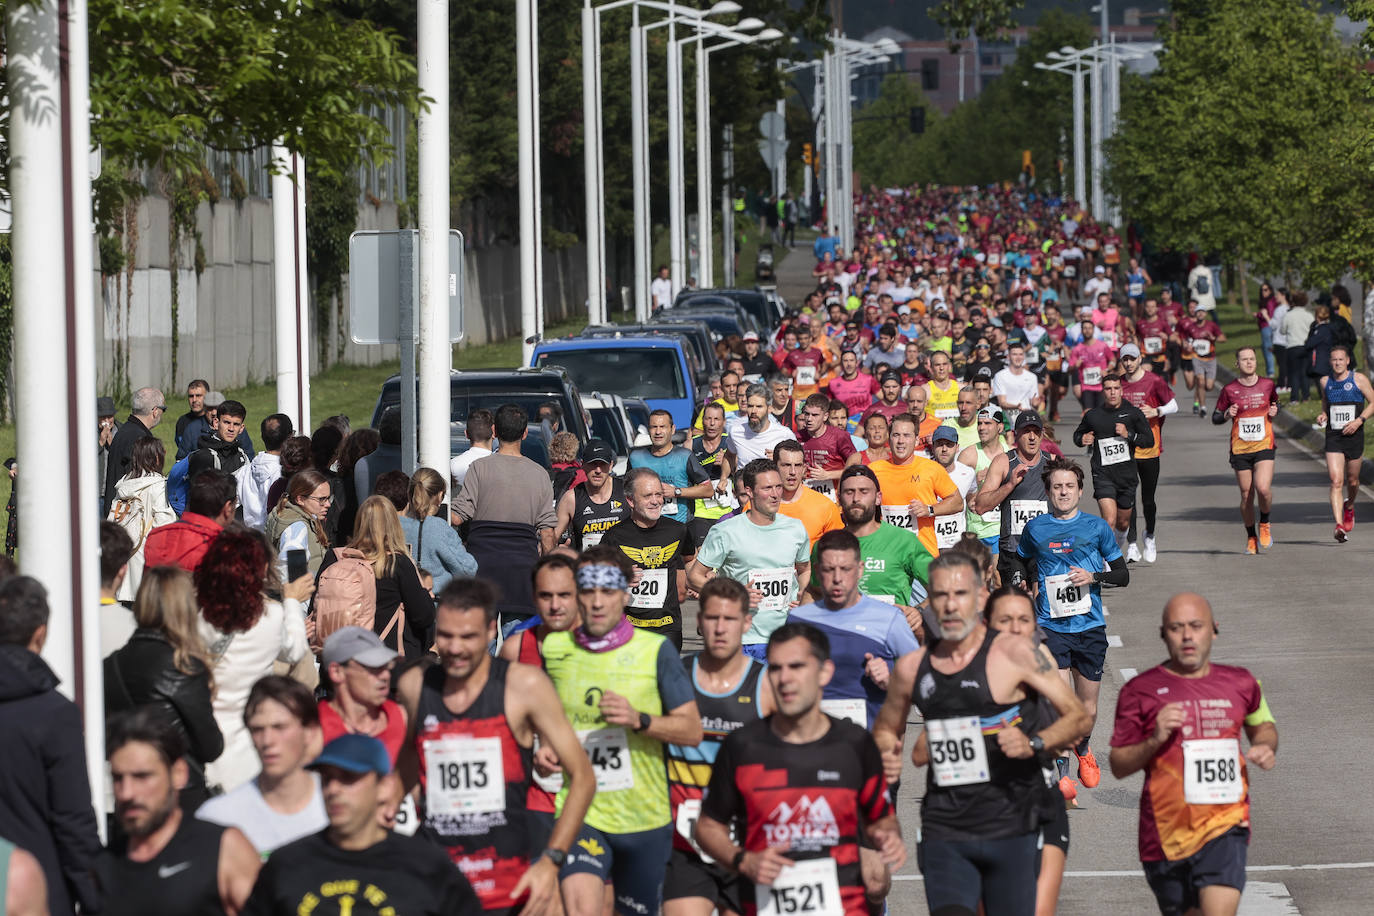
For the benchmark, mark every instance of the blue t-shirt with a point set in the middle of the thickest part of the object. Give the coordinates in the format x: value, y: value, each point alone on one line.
x: 870, y: 627
x: 1056, y: 545
x: 678, y: 468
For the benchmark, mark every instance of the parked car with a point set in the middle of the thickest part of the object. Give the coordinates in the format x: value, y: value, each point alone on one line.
x: 697, y: 335
x: 656, y: 369
x: 756, y: 302
x: 611, y: 422
x: 725, y: 317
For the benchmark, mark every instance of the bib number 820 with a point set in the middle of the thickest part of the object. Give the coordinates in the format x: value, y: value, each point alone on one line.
x: 799, y: 898
x: 953, y: 751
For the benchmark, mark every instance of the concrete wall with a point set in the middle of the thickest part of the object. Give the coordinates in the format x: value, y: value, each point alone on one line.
x: 224, y: 317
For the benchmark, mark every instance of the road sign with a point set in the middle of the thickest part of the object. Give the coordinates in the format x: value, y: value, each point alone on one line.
x: 381, y: 265
x: 773, y: 145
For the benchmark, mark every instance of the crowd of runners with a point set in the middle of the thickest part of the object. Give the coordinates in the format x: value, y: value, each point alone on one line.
x: 337, y: 688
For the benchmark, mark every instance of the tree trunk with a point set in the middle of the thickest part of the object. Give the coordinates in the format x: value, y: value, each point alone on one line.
x: 1244, y: 284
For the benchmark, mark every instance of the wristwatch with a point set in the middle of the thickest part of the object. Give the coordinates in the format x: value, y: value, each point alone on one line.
x: 1037, y: 744
x: 644, y: 720
x: 735, y: 862
x: 677, y: 491
x: 556, y: 856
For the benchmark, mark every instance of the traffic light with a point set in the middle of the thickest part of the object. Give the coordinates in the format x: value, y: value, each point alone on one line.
x: 917, y: 117
x: 806, y: 153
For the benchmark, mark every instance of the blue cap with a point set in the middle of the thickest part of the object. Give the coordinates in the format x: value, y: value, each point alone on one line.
x: 944, y: 434
x: 354, y: 753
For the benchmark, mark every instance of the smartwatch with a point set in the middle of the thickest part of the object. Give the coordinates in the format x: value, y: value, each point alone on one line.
x: 738, y: 858
x: 556, y: 856
x: 644, y: 720
x: 1037, y: 744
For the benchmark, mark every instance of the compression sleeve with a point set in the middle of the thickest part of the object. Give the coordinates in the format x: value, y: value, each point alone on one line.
x: 1169, y: 408
x: 1117, y: 575
x: 1218, y: 417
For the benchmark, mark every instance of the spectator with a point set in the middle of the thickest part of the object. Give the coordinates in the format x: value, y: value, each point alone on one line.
x: 1280, y: 340
x: 148, y: 407
x: 1296, y: 325
x: 264, y: 470
x: 400, y: 595
x: 116, y: 623
x: 196, y: 428
x: 283, y: 802
x: 140, y: 505
x: 219, y: 448
x: 324, y: 453
x: 567, y: 470
x: 165, y: 666
x: 209, y: 507
x: 551, y: 412
x: 45, y: 796
x: 297, y: 522
x: 105, y: 420
x: 296, y: 456
x: 26, y: 893
x: 1328, y: 330
x: 246, y: 632
x: 386, y: 457
x: 480, y: 429
x: 395, y: 486
x: 187, y: 437
x: 356, y: 444
x: 433, y: 543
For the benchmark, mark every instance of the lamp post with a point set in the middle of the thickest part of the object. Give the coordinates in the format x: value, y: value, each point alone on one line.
x: 1066, y: 61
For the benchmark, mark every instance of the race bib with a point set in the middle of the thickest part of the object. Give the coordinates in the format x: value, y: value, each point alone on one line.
x: 592, y: 538
x: 1092, y: 375
x: 1023, y: 510
x: 669, y: 508
x: 1154, y: 345
x: 949, y: 528
x: 899, y: 516
x: 947, y: 413
x: 1110, y: 339
x: 688, y: 813
x: 776, y: 585
x: 1065, y: 598
x: 1202, y: 346
x: 652, y: 590
x: 806, y: 375
x: 1070, y: 270
x: 609, y: 751
x: 885, y: 599
x: 824, y: 487
x: 958, y: 756
x: 464, y: 775
x: 1032, y: 356
x: 1211, y: 772
x: 855, y: 711
x: 1341, y: 415
x: 1109, y: 249
x: 1135, y: 289
x: 1113, y: 450
x: 808, y: 888
x: 407, y: 818
x: 1252, y: 429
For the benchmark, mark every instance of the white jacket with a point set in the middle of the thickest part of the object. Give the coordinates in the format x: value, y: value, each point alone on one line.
x: 151, y: 492
x: 240, y: 659
x: 262, y: 472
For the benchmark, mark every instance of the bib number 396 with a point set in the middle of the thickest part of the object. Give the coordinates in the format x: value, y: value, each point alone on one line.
x: 808, y: 888
x: 957, y: 752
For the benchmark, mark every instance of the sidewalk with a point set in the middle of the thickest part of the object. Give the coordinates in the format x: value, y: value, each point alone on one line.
x: 793, y: 271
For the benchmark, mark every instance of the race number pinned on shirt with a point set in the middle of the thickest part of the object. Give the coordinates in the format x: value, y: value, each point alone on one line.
x: 807, y: 888
x: 1067, y: 599
x: 463, y: 775
x: 669, y: 508
x: 609, y: 751
x: 592, y: 538
x: 806, y: 375
x: 1023, y: 510
x: 1202, y: 347
x: 776, y: 585
x: 1252, y: 429
x: 652, y: 589
x: 1032, y: 356
x: 407, y: 818
x: 949, y: 528
x: 1212, y: 772
x: 854, y: 710
x: 1110, y: 339
x: 688, y: 813
x: 1113, y: 450
x: 824, y: 487
x: 957, y: 753
x: 1092, y: 375
x: 899, y: 517
x: 1342, y: 415
x: 1154, y: 345
x: 947, y: 413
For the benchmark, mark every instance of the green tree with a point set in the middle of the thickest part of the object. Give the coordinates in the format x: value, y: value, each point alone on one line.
x: 886, y: 153
x: 985, y: 18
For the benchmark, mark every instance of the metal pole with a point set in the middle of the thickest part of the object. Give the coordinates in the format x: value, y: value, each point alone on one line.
x: 284, y: 287
x: 831, y: 127
x: 302, y: 281
x: 527, y: 62
x: 435, y: 351
x: 1098, y: 208
x: 675, y: 240
x: 727, y: 202
x: 591, y: 138
x: 409, y: 381
x: 780, y: 173
x: 1080, y: 156
x: 638, y: 170
x: 599, y: 124
x: 706, y: 271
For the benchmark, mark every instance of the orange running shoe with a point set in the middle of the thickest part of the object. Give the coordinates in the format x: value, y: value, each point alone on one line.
x: 1266, y: 539
x: 1069, y: 789
x: 1089, y: 773
x: 1251, y: 545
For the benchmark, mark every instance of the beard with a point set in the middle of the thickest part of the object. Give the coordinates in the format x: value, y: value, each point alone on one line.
x: 860, y: 515
x: 760, y: 424
x: 156, y: 817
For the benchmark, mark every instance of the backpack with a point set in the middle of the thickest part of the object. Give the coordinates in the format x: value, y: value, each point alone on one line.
x: 129, y: 513
x: 177, y: 485
x: 1203, y: 285
x: 346, y: 596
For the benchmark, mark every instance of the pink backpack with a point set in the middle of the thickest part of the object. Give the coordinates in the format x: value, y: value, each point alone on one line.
x: 346, y: 596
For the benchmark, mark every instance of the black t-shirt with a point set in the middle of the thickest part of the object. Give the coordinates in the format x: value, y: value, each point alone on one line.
x: 658, y: 551
x: 400, y: 875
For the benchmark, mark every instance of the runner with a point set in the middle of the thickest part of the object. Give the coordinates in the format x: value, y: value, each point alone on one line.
x: 986, y: 794
x: 1147, y: 390
x: 917, y: 399
x: 915, y: 489
x: 1155, y: 337
x: 1174, y: 313
x: 780, y: 405
x: 805, y: 365
x: 473, y: 719
x: 827, y: 449
x: 761, y: 549
x: 857, y: 389
x: 730, y: 694
x: 1016, y: 387
x: 1202, y: 335
x: 1013, y: 486
x: 944, y: 449
x: 1090, y: 359
x: 684, y: 479
x: 942, y: 391
x: 1180, y: 722
x: 1069, y: 555
x: 803, y: 499
x: 866, y: 635
x: 807, y: 789
x: 1250, y: 402
x: 757, y: 433
x: 1347, y: 403
x: 356, y: 668
x: 709, y: 451
x: 876, y: 432
x: 587, y: 511
x: 626, y: 693
x: 1113, y: 430
x: 965, y: 425
x: 986, y: 526
x: 659, y: 548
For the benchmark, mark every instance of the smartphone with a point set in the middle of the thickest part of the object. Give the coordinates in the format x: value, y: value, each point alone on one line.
x: 297, y: 565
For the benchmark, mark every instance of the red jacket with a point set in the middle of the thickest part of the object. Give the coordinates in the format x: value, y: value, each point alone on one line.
x: 181, y: 543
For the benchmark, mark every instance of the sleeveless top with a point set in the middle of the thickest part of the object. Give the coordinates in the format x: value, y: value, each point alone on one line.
x: 985, y: 524
x: 1026, y: 500
x: 474, y: 779
x: 181, y: 880
x: 1004, y: 797
x: 1345, y: 402
x: 712, y: 462
x: 591, y: 520
x: 332, y: 725
x: 540, y: 798
x: 689, y: 768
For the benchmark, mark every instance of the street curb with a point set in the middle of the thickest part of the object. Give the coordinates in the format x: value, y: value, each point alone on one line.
x: 1293, y: 427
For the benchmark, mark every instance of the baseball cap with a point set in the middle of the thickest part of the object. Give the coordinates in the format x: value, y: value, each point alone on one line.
x: 1131, y: 350
x: 990, y: 413
x: 1086, y: 313
x: 598, y: 450
x: 944, y: 434
x: 890, y: 376
x: 1099, y: 269
x: 753, y: 335
x: 903, y: 310
x: 348, y: 644
x: 1028, y: 418
x: 354, y: 753
x: 104, y: 407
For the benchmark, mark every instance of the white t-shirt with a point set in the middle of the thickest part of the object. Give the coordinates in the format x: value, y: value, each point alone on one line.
x: 1098, y: 284
x: 747, y: 445
x: 458, y: 467
x: 1018, y: 388
x: 1207, y: 300
x: 266, y: 828
x: 662, y: 292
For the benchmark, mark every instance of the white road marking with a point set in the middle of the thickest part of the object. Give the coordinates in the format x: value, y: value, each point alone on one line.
x: 1267, y: 898
x: 1128, y: 673
x: 1136, y: 873
x: 1114, y: 642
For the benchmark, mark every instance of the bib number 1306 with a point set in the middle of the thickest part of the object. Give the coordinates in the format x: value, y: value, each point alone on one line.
x: 808, y: 888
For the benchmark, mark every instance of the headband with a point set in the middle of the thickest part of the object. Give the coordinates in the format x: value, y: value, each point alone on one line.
x: 601, y: 575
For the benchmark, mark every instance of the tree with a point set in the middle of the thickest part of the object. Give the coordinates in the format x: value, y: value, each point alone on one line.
x: 886, y: 153
x: 985, y: 18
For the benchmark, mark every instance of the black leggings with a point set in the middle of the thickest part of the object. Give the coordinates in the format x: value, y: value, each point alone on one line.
x: 1148, y: 469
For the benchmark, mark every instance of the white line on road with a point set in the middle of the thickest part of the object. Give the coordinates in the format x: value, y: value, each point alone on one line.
x: 1320, y: 866
x: 1128, y: 673
x: 1114, y: 642
x: 1267, y: 898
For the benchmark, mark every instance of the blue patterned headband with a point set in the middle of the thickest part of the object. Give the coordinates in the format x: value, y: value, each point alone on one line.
x: 601, y: 575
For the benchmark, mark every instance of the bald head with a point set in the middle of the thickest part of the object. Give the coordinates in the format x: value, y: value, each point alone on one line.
x: 1188, y: 629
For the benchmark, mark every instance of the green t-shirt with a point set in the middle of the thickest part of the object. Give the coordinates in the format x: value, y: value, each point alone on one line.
x: 892, y: 557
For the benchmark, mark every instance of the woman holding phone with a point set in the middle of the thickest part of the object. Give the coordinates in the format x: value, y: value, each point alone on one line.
x: 296, y: 526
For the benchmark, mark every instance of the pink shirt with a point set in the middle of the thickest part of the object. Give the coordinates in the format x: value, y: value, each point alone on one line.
x: 857, y: 393
x: 1091, y: 359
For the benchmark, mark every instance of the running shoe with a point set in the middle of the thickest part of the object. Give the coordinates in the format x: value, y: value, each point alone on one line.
x: 1348, y: 515
x: 1266, y: 538
x: 1150, y: 551
x: 1251, y: 545
x: 1069, y: 789
x: 1133, y: 554
x: 1340, y: 535
x: 1089, y: 773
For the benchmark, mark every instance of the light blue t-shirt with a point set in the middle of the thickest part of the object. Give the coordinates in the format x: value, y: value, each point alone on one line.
x: 1056, y: 545
x: 678, y: 468
x: 870, y: 627
x: 737, y: 548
